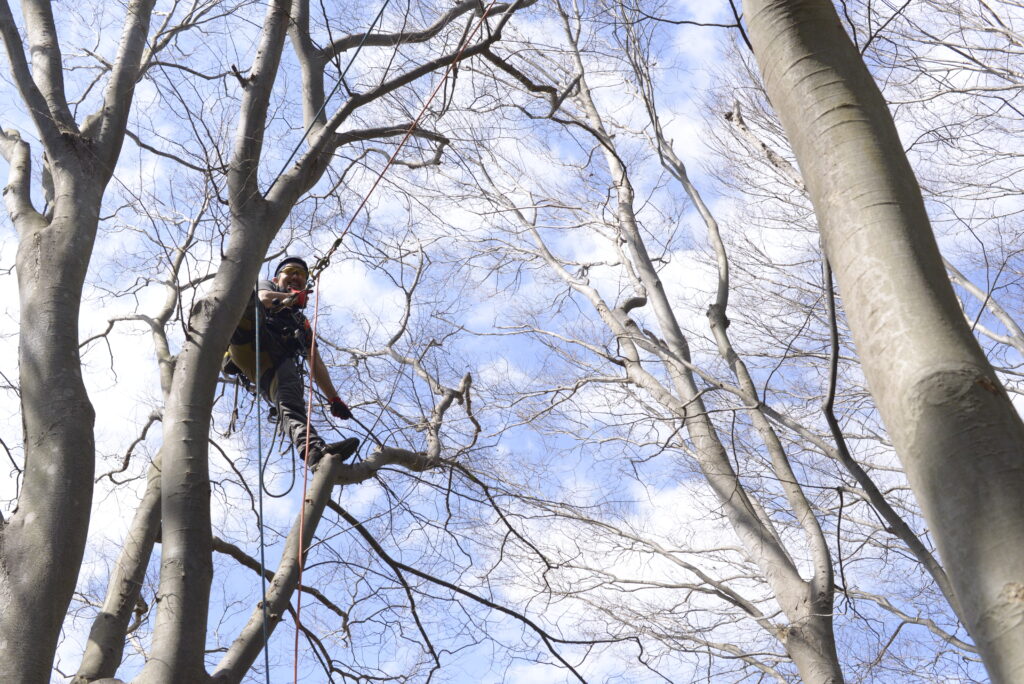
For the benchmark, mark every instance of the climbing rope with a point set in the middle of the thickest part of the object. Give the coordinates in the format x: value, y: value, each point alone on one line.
x: 325, y: 261
x: 291, y: 484
x: 305, y: 476
x: 259, y: 450
x: 321, y: 264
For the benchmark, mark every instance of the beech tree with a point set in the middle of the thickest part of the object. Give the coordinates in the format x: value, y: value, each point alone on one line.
x: 43, y: 541
x: 619, y: 425
x: 670, y: 376
x: 558, y: 211
x: 951, y: 421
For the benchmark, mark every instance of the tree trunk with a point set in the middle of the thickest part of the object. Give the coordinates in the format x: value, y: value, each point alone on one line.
x: 811, y: 642
x: 186, y: 567
x: 957, y: 434
x: 105, y: 648
x: 42, y: 545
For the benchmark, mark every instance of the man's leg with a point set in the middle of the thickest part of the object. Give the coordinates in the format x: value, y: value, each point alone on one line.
x: 284, y: 387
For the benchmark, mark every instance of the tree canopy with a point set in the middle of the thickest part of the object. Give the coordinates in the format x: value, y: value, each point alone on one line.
x: 682, y: 341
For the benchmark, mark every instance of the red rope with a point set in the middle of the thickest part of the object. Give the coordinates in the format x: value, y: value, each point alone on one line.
x: 316, y: 313
x: 305, y: 477
x: 325, y: 260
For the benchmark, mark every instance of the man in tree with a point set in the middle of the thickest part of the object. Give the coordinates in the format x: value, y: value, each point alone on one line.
x: 285, y: 339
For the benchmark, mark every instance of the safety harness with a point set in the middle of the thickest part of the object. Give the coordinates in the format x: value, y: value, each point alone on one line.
x: 284, y: 333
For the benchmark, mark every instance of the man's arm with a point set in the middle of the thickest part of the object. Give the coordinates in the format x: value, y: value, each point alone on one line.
x: 321, y: 376
x: 339, y: 409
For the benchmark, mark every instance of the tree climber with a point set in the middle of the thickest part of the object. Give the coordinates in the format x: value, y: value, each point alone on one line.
x: 285, y: 340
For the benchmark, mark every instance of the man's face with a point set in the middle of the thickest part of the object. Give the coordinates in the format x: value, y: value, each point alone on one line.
x: 292, y: 277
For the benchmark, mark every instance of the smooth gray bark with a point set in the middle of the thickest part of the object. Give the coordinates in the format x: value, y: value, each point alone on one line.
x: 105, y: 647
x: 41, y: 547
x: 186, y: 567
x: 839, y: 451
x: 953, y: 426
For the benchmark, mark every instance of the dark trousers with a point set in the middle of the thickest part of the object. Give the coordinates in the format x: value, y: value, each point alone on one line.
x: 282, y: 385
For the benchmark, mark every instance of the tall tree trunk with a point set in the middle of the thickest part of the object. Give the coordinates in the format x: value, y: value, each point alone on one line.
x: 811, y: 641
x: 953, y: 426
x: 41, y: 546
x: 186, y: 567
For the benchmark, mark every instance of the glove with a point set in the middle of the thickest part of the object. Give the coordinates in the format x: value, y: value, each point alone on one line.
x: 301, y: 298
x: 339, y: 409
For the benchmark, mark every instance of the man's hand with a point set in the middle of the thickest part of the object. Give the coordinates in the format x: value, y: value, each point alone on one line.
x: 299, y: 299
x: 339, y: 409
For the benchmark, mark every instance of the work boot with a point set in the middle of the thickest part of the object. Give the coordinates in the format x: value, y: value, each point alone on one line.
x: 343, y: 449
x: 316, y: 452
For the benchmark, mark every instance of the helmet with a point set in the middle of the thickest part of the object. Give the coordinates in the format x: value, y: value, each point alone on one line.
x: 291, y: 260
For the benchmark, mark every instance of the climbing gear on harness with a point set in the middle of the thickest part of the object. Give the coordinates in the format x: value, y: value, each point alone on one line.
x: 339, y: 409
x: 283, y: 334
x: 288, y: 330
x: 283, y: 337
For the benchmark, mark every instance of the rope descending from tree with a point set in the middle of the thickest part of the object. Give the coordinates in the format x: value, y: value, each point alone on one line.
x: 259, y: 451
x: 324, y: 261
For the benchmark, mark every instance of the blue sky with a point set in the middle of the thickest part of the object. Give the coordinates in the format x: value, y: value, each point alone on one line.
x: 421, y: 210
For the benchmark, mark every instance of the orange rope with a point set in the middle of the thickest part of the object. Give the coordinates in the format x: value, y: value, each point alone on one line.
x: 305, y: 476
x: 323, y: 263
